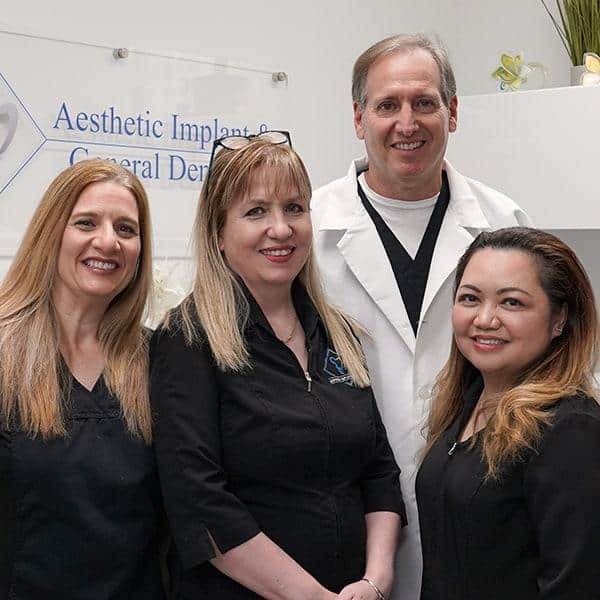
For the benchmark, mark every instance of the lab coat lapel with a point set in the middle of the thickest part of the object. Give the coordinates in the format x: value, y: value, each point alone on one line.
x: 464, y: 219
x: 365, y: 256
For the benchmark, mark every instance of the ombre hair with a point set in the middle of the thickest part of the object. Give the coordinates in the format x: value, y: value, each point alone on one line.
x: 217, y: 297
x: 33, y: 378
x: 566, y: 368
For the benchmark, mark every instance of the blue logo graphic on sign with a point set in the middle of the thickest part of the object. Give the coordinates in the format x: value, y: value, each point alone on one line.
x: 9, y: 114
x: 16, y: 150
x: 334, y: 367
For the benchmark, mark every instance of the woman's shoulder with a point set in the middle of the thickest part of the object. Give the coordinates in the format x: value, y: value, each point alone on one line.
x: 180, y: 324
x: 575, y: 421
x: 576, y: 406
x: 570, y: 435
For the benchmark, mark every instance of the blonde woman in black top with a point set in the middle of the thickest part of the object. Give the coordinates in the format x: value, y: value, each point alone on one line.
x: 509, y: 489
x: 80, y: 504
x: 276, y: 472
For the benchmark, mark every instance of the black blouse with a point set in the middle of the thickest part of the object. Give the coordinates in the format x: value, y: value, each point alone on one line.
x: 534, y: 534
x: 267, y: 450
x: 79, y: 515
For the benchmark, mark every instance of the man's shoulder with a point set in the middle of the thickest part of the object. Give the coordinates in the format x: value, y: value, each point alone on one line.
x: 338, y: 188
x: 498, y: 208
x: 487, y: 193
x: 342, y: 189
x: 333, y: 204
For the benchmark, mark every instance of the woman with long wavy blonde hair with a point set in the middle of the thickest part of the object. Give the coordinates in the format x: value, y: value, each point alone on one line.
x: 509, y: 488
x: 78, y: 487
x: 277, y: 476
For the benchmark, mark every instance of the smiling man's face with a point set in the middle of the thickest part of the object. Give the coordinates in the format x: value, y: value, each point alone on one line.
x: 405, y: 125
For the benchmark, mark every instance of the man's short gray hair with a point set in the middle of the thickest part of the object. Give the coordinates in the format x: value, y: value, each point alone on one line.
x: 397, y: 44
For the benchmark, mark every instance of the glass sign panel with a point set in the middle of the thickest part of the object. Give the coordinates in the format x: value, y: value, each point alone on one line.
x: 157, y: 115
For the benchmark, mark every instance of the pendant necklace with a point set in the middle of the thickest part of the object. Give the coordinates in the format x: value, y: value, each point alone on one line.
x: 288, y: 339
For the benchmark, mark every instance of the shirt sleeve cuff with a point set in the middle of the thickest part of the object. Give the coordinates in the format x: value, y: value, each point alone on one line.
x: 384, y: 496
x: 197, y: 546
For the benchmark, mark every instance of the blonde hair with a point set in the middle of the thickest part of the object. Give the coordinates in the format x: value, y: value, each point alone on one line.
x: 33, y: 379
x: 565, y: 369
x: 217, y: 296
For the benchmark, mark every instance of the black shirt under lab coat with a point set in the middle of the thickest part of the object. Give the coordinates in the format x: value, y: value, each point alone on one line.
x: 257, y: 451
x: 535, y: 534
x: 79, y: 515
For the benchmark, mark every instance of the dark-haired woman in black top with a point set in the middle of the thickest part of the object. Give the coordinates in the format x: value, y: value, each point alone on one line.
x: 509, y: 490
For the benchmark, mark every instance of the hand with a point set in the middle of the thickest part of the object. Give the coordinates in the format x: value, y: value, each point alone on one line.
x: 359, y: 590
x: 324, y: 594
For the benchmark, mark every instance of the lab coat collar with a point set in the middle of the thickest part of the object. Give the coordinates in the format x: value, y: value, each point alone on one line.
x: 340, y: 211
x: 464, y: 219
x: 463, y: 202
x: 365, y: 255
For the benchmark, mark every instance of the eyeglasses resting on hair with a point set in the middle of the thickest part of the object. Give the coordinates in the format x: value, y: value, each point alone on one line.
x: 237, y: 142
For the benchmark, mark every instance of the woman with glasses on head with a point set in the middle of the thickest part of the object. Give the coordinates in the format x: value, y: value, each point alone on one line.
x: 509, y: 490
x: 276, y: 472
x: 79, y: 494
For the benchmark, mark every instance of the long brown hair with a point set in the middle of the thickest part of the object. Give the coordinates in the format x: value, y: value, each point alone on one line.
x: 565, y: 369
x: 217, y: 297
x: 32, y: 377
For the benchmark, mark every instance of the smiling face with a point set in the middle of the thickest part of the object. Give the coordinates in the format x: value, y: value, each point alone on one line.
x: 405, y: 125
x: 502, y: 318
x: 266, y: 237
x: 100, y: 245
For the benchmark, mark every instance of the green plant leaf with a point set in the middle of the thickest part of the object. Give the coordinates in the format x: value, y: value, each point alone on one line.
x: 578, y: 26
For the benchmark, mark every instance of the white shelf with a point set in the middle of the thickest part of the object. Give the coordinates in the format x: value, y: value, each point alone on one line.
x: 541, y: 148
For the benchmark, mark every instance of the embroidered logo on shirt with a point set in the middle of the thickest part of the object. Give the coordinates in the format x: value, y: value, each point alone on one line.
x: 334, y: 367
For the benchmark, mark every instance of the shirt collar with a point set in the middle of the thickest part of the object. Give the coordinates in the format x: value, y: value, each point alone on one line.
x: 307, y: 313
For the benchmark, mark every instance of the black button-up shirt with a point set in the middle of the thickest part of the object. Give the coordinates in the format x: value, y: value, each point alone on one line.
x: 534, y: 534
x: 80, y: 514
x: 265, y: 450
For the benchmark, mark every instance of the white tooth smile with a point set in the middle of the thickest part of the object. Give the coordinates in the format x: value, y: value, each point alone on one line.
x: 489, y: 342
x: 100, y: 264
x: 283, y: 252
x: 410, y: 146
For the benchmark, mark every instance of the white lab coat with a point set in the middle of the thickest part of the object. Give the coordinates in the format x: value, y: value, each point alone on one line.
x: 358, y: 279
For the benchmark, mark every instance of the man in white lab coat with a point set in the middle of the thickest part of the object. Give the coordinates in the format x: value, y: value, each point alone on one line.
x: 388, y: 236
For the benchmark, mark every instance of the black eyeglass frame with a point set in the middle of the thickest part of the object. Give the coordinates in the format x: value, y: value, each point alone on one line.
x: 219, y: 142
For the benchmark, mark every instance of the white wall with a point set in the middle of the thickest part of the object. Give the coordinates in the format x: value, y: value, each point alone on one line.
x: 315, y: 41
x: 477, y: 31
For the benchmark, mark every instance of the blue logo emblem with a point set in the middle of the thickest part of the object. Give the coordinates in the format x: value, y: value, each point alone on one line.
x: 334, y: 367
x: 20, y: 136
x: 8, y: 114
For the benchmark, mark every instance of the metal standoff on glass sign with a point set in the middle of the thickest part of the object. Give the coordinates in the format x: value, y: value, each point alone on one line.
x: 279, y: 76
x: 120, y: 53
